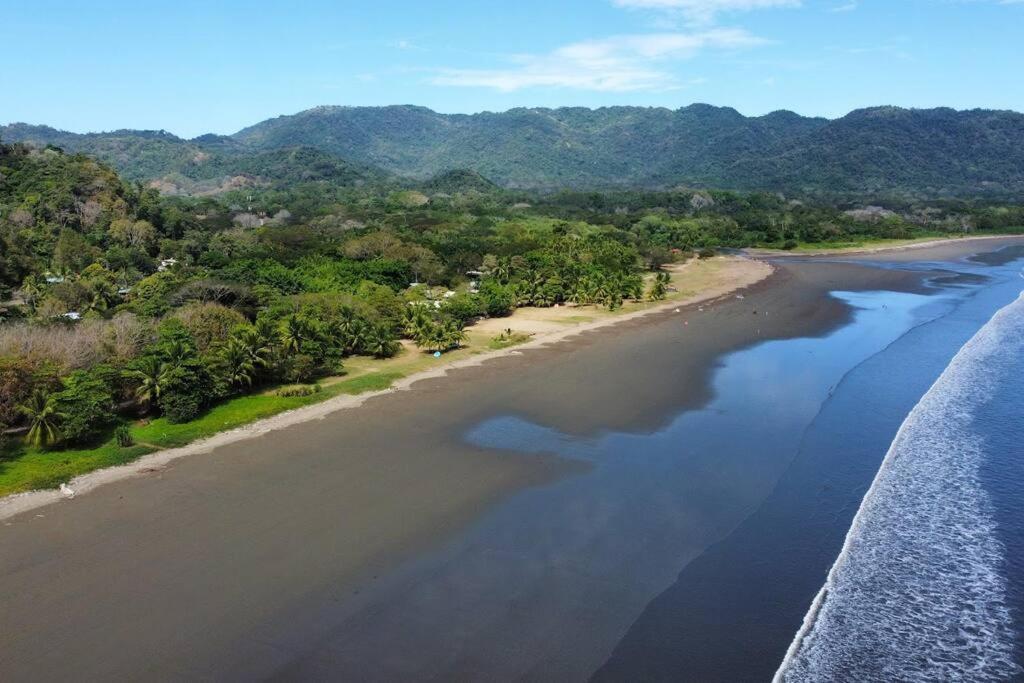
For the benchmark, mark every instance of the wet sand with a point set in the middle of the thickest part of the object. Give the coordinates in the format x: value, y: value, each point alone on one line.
x: 230, y: 566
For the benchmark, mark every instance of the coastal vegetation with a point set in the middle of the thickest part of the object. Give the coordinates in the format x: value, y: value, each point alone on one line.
x: 131, y: 320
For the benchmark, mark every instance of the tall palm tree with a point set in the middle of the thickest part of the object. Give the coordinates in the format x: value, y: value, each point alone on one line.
x: 659, y: 288
x: 32, y: 290
x: 503, y: 270
x: 177, y: 351
x: 238, y: 363
x: 417, y: 320
x: 152, y: 375
x: 452, y: 335
x: 268, y: 333
x: 380, y: 342
x: 44, y: 419
x: 358, y: 337
x: 101, y: 295
x: 295, y: 331
x: 256, y: 347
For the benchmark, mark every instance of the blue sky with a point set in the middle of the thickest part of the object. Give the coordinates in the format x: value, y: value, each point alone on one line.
x: 194, y: 67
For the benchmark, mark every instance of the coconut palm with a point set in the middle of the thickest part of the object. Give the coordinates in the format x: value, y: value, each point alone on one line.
x: 380, y: 342
x: 357, y: 337
x: 258, y: 349
x: 451, y: 335
x: 239, y: 368
x: 267, y: 332
x: 151, y: 374
x: 295, y: 332
x: 177, y: 351
x: 101, y: 295
x: 417, y: 320
x: 659, y: 288
x: 503, y: 270
x: 43, y: 418
x: 32, y: 290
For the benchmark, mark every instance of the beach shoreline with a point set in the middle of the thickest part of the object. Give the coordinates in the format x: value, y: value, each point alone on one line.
x: 748, y: 273
x: 758, y: 269
x: 269, y: 541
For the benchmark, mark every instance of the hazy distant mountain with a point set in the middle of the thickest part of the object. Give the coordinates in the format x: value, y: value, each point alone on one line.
x: 870, y: 151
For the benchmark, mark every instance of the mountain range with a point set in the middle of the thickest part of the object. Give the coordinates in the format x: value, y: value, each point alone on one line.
x: 871, y: 152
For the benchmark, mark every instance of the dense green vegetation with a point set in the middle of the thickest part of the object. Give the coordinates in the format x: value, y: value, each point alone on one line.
x: 931, y: 153
x: 119, y: 304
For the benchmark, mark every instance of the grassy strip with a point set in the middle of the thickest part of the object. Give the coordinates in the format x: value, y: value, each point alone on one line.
x: 875, y: 242
x: 23, y: 468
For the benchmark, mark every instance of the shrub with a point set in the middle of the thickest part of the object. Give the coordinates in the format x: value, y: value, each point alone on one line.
x: 186, y: 391
x: 300, y: 368
x: 789, y: 244
x: 706, y: 252
x: 180, y: 406
x: 209, y: 323
x: 299, y: 390
x: 86, y: 404
x: 498, y: 300
x: 463, y: 307
x: 16, y: 381
x: 123, y: 436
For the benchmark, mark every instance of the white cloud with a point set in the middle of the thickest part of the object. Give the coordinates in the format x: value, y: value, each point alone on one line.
x: 845, y: 7
x: 618, y: 63
x: 705, y: 11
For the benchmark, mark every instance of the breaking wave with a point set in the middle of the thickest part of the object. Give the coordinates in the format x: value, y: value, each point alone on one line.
x: 918, y: 591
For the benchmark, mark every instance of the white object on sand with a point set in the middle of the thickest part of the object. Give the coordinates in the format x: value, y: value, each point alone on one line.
x: 67, y: 490
x: 676, y: 311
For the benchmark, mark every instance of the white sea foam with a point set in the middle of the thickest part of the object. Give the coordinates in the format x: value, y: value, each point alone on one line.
x: 917, y: 592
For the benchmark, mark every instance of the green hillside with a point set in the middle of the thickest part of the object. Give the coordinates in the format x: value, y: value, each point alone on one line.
x: 879, y: 151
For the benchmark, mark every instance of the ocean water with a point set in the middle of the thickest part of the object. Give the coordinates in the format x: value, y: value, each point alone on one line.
x: 927, y: 582
x: 699, y: 551
x: 930, y: 585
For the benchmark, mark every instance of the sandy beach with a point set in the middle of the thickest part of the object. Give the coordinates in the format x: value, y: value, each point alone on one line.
x: 703, y: 281
x: 221, y: 566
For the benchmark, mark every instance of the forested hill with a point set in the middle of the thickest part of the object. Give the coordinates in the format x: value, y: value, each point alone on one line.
x: 209, y: 164
x: 884, y: 150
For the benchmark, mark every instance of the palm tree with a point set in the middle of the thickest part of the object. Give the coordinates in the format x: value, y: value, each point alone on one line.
x: 32, y: 290
x: 238, y: 363
x: 357, y: 337
x: 177, y: 351
x: 295, y: 331
x: 503, y: 270
x: 380, y: 342
x: 434, y: 336
x: 417, y: 320
x: 101, y: 295
x: 660, y: 287
x: 44, y: 419
x: 267, y: 332
x: 256, y: 347
x: 152, y: 375
x: 451, y: 335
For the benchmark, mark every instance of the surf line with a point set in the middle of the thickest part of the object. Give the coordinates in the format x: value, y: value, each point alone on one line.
x: 973, y: 353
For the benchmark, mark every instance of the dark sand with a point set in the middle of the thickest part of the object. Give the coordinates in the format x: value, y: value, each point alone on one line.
x: 226, y: 565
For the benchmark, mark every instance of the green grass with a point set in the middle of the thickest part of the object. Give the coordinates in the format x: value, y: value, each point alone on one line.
x: 869, y: 242
x: 23, y: 468
x: 504, y: 341
x: 28, y: 469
